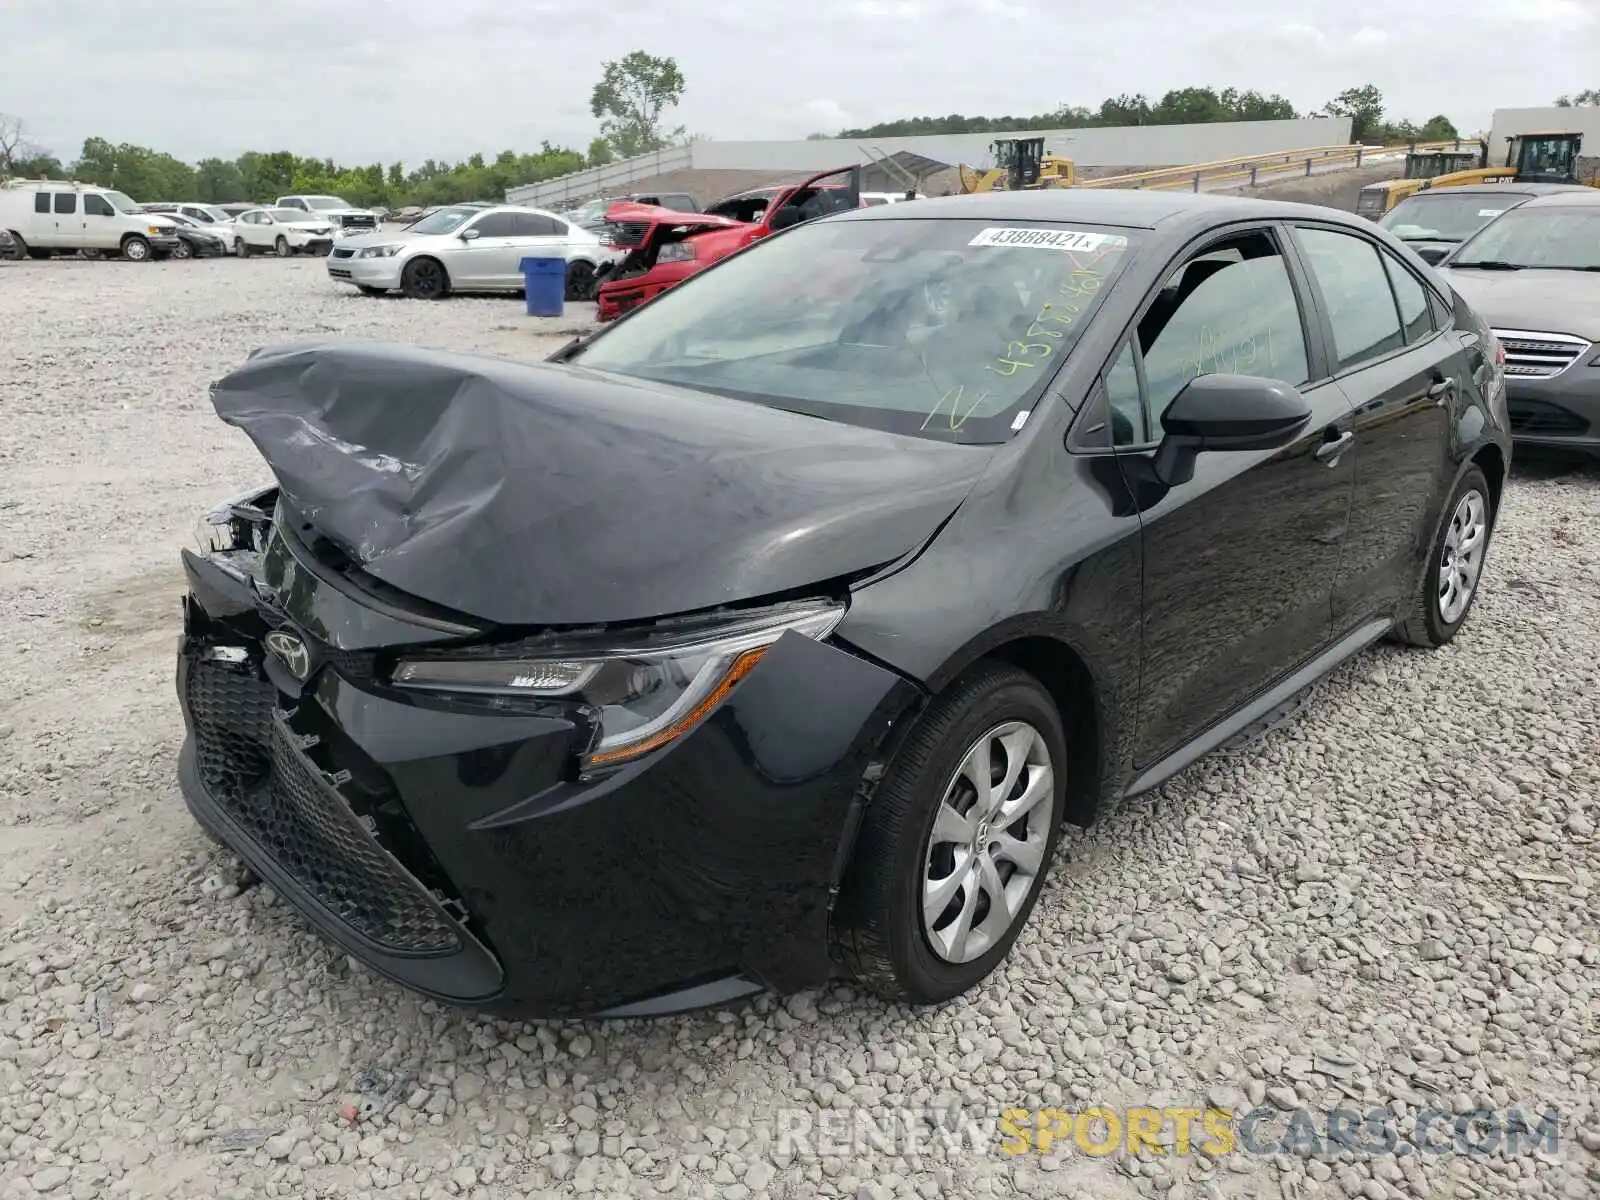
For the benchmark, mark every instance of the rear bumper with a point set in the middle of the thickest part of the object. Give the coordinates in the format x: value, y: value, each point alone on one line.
x: 1561, y: 413
x: 457, y: 854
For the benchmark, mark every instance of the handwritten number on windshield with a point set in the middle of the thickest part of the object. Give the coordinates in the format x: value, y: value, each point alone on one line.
x: 957, y: 415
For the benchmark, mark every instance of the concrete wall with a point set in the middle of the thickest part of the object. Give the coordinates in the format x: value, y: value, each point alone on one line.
x: 1126, y: 147
x: 1510, y: 122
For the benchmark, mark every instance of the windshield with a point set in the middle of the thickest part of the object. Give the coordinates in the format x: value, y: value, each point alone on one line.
x: 590, y: 213
x: 940, y: 329
x: 320, y: 202
x: 1440, y: 217
x: 215, y: 213
x: 120, y: 202
x: 177, y: 218
x: 1558, y: 239
x: 446, y: 220
x: 290, y: 214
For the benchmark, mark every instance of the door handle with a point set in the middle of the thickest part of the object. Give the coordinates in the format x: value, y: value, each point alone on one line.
x: 1331, y: 449
x: 1441, y: 387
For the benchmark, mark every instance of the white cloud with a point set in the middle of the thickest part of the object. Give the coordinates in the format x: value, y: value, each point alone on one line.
x: 827, y: 116
x: 894, y: 10
x: 1368, y: 38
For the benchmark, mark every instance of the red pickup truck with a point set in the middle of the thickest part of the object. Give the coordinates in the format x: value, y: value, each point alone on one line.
x: 675, y: 245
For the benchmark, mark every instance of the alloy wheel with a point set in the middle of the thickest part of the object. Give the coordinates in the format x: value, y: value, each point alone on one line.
x: 1461, y: 559
x: 136, y: 249
x: 282, y: 247
x: 988, y: 842
x: 183, y: 250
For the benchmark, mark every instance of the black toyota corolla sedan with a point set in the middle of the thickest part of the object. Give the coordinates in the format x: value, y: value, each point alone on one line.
x: 772, y: 633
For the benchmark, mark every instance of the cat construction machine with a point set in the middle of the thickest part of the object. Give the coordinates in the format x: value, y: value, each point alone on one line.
x: 1533, y: 158
x: 1021, y: 164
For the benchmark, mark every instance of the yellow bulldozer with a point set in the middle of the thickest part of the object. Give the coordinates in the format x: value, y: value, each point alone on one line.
x: 1020, y: 165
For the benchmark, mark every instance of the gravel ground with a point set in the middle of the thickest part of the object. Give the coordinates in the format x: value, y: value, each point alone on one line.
x: 1389, y: 902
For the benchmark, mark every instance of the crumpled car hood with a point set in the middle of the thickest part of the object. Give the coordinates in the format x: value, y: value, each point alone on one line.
x: 628, y: 213
x: 542, y: 494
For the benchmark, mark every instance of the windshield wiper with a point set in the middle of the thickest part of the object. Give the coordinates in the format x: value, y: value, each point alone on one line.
x: 1488, y: 264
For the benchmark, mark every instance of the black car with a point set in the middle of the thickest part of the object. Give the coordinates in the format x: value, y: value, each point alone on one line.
x: 194, y: 239
x: 772, y: 632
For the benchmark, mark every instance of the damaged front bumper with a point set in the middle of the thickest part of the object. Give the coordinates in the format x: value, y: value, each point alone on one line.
x: 458, y: 852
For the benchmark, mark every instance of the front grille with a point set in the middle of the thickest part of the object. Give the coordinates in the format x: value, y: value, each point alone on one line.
x: 1541, y: 418
x: 339, y: 272
x: 1539, y: 355
x: 344, y: 252
x: 256, y: 767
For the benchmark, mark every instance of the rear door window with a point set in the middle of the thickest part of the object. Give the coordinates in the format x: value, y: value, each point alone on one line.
x: 1356, y: 294
x: 1416, y: 315
x: 66, y: 203
x: 41, y: 202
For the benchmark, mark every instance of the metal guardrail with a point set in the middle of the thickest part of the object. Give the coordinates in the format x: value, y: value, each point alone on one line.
x: 1256, y: 167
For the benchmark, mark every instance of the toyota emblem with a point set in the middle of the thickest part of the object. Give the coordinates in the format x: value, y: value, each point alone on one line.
x: 291, y: 652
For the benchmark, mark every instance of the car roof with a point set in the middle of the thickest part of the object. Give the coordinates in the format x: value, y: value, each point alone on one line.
x: 1126, y: 207
x: 1578, y: 197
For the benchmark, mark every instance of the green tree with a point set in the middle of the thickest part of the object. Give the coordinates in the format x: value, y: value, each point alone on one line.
x: 1584, y: 98
x: 1364, y: 107
x: 1437, y: 129
x: 600, y: 152
x: 1253, y: 106
x: 630, y: 99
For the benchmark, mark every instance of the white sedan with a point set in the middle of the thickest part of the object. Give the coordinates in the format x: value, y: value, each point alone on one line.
x: 284, y: 231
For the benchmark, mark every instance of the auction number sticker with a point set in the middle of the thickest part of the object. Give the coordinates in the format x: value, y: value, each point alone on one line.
x: 1490, y: 212
x: 1066, y: 240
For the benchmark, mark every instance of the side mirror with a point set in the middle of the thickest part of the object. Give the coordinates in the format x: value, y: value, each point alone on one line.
x: 785, y: 217
x: 470, y: 235
x: 1227, y: 412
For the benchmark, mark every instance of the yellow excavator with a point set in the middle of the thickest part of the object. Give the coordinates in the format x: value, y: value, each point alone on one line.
x: 1020, y: 165
x: 1533, y: 158
x: 1378, y: 198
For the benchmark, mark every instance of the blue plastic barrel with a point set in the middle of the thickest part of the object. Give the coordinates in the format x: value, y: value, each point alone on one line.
x: 546, y: 283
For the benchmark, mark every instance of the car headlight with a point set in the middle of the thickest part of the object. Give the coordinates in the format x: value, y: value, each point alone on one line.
x: 379, y: 251
x: 636, y: 699
x: 676, y: 252
x: 235, y: 524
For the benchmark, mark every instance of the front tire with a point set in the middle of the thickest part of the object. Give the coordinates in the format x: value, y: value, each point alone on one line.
x: 581, y: 282
x: 956, y: 842
x: 240, y: 248
x: 1456, y: 559
x: 183, y: 250
x: 424, y: 279
x: 136, y: 249
x: 281, y: 247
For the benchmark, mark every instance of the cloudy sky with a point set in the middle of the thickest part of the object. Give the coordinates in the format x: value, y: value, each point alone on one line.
x: 412, y: 79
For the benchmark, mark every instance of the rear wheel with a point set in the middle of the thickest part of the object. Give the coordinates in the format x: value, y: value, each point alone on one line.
x: 281, y: 247
x: 1455, y: 564
x: 425, y: 279
x: 18, y: 250
x: 580, y: 281
x: 957, y: 839
x: 135, y: 249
